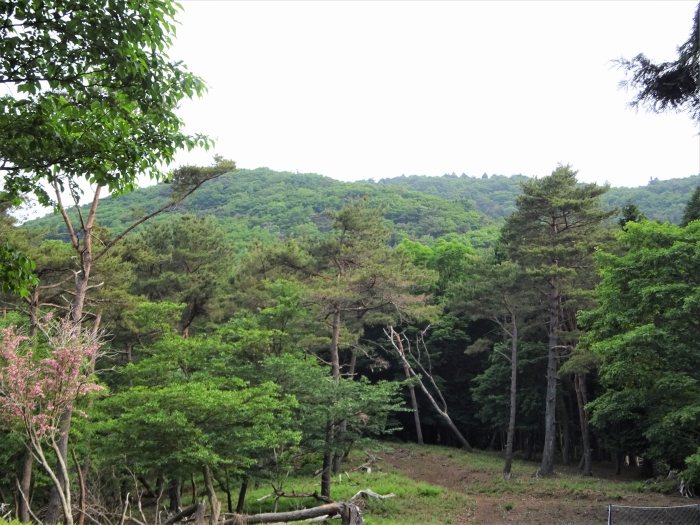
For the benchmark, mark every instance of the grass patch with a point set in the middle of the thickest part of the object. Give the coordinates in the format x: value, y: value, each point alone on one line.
x: 414, y: 501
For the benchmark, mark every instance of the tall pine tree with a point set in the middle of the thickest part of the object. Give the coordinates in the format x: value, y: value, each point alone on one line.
x: 553, y: 234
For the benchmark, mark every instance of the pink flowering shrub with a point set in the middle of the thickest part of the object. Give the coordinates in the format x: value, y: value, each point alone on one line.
x: 34, y: 392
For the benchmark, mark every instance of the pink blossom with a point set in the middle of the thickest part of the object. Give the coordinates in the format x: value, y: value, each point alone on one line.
x: 34, y: 393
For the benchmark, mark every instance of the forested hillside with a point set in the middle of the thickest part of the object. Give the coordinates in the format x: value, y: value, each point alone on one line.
x: 285, y: 204
x: 266, y: 203
x: 494, y: 195
x: 168, y: 353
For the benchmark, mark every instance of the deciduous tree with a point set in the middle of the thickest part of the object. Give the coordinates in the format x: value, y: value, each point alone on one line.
x: 35, y: 393
x: 645, y: 332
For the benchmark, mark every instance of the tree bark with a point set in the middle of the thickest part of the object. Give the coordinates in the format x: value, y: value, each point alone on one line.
x: 414, y: 406
x: 329, y: 458
x: 327, y: 462
x: 82, y: 498
x: 241, y: 495
x: 582, y: 399
x: 54, y: 510
x: 550, y: 428
x: 25, y: 485
x: 174, y: 494
x: 335, y: 337
x: 564, y: 431
x: 199, y: 514
x: 513, y: 398
x: 214, y: 502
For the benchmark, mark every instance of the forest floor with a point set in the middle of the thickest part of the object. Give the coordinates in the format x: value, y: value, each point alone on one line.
x: 475, y: 479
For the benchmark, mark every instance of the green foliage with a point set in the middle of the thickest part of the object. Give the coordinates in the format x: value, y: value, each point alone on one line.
x: 659, y: 200
x: 178, y: 427
x: 182, y: 260
x: 668, y: 85
x: 692, y: 209
x: 182, y: 408
x: 490, y: 388
x: 450, y: 256
x: 645, y: 332
x: 16, y: 271
x: 94, y: 94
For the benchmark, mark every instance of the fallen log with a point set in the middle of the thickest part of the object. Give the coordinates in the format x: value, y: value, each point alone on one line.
x: 184, y: 513
x: 350, y: 512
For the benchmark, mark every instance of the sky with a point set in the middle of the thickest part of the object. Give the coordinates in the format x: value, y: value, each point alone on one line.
x: 369, y: 90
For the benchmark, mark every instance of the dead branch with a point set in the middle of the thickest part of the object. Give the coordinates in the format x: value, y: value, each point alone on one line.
x: 397, y: 341
x: 350, y: 512
x: 184, y: 513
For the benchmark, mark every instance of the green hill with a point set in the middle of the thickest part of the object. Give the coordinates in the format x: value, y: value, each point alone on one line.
x: 495, y: 195
x: 262, y: 203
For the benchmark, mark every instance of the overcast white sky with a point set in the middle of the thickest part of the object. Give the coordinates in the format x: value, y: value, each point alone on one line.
x: 364, y: 89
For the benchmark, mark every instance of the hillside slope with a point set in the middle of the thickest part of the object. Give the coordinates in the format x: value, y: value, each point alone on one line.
x: 262, y: 203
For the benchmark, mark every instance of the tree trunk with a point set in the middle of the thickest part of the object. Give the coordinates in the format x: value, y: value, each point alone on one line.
x: 582, y: 399
x: 214, y: 502
x: 199, y: 514
x: 335, y: 460
x: 335, y: 337
x: 513, y: 398
x: 54, y: 510
x: 226, y: 486
x: 327, y: 462
x: 82, y: 499
x: 241, y: 495
x: 550, y: 428
x: 348, y: 512
x: 193, y: 487
x: 395, y: 339
x: 25, y: 485
x: 175, y: 495
x: 34, y: 311
x: 414, y: 406
x: 82, y: 279
x: 564, y: 431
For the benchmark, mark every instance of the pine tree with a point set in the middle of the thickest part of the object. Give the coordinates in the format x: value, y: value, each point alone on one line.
x: 552, y: 234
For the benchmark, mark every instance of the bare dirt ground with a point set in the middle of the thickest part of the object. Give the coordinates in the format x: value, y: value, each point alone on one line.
x: 549, y: 504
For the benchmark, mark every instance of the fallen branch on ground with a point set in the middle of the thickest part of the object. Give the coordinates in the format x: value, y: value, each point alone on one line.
x: 350, y: 512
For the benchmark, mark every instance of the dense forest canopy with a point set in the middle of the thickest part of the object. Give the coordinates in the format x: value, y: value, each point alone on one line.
x: 230, y: 328
x: 420, y: 207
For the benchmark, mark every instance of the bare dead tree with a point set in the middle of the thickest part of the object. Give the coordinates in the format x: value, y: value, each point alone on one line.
x: 410, y: 357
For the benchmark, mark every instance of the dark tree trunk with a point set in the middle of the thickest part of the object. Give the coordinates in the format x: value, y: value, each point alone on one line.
x: 582, y: 399
x: 513, y: 399
x: 241, y: 495
x: 564, y: 431
x: 550, y: 423
x: 193, y: 486
x: 225, y: 485
x: 327, y: 462
x: 175, y: 495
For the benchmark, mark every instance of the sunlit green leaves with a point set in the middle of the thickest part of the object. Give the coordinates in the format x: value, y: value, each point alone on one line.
x: 95, y: 95
x: 16, y: 271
